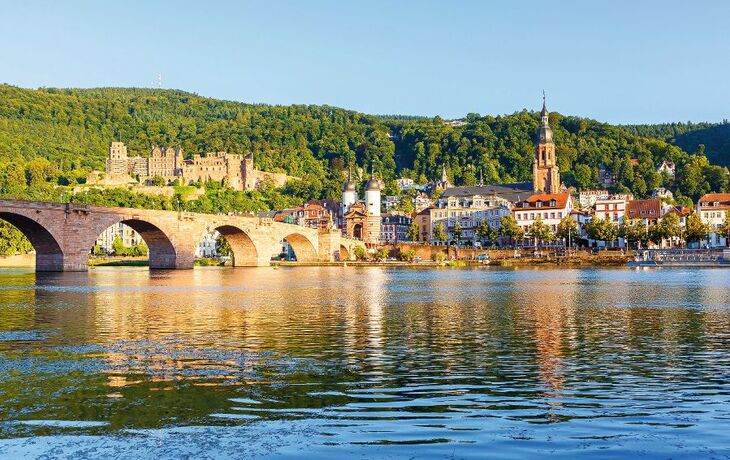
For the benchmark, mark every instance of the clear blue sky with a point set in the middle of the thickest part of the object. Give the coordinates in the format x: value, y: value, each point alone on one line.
x: 616, y: 61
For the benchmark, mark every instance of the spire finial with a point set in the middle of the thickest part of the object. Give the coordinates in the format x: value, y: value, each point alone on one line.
x: 481, y: 177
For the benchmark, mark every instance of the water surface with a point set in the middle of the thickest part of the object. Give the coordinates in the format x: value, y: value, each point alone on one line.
x: 332, y: 362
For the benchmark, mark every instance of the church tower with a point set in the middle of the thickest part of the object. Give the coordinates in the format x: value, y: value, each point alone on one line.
x: 545, y: 173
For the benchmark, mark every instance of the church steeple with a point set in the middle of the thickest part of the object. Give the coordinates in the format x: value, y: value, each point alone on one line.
x: 545, y: 134
x: 545, y: 172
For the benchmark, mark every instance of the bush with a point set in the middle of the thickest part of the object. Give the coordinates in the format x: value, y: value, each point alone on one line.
x: 408, y: 256
x: 438, y: 256
x: 360, y: 253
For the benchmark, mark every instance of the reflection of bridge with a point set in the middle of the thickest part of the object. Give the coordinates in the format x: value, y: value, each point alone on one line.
x: 63, y: 234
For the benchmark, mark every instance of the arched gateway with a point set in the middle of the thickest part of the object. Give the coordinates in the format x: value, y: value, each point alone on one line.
x: 63, y: 234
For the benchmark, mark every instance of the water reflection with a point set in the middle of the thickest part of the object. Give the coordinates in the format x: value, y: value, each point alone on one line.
x: 369, y: 360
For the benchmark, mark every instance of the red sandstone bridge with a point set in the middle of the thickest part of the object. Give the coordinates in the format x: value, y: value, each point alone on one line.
x: 63, y: 234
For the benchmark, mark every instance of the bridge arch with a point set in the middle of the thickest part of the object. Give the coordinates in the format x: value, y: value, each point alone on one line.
x: 244, y: 250
x: 304, y: 249
x: 162, y: 253
x: 49, y: 256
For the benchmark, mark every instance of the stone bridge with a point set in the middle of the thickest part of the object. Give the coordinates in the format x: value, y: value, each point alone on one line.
x: 63, y: 235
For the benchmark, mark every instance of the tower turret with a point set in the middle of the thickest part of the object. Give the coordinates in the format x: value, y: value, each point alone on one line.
x: 372, y: 196
x: 349, y: 194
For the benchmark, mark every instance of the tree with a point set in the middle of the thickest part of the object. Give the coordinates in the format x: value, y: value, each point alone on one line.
x: 485, y: 232
x: 382, y: 254
x: 567, y: 230
x: 405, y: 205
x: 725, y: 229
x: 360, y: 253
x: 224, y: 247
x: 510, y: 229
x: 668, y: 227
x: 696, y: 230
x: 158, y: 181
x: 97, y: 250
x: 601, y: 230
x: 538, y: 231
x: 634, y: 231
x: 408, y: 256
x: 438, y: 232
x: 413, y: 231
x: 457, y: 232
x: 141, y: 249
x: 118, y: 247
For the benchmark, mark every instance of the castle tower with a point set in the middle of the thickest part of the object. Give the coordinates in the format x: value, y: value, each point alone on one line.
x: 349, y: 195
x: 116, y: 161
x: 545, y: 173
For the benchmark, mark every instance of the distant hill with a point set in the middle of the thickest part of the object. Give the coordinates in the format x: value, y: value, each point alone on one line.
x: 73, y: 127
x: 689, y: 136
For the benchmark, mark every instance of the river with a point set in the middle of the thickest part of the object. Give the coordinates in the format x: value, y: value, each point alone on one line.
x: 338, y: 362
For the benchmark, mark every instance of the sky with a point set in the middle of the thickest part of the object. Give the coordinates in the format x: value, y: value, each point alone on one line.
x: 615, y: 61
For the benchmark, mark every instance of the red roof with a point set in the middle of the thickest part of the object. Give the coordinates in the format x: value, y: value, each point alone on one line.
x: 644, y: 209
x: 547, y: 200
x: 722, y: 200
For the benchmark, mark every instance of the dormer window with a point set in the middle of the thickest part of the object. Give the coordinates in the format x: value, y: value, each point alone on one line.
x: 716, y: 203
x: 538, y: 204
x: 553, y: 203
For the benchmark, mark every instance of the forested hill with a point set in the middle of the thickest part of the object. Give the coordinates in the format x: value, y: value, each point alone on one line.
x: 712, y: 138
x: 73, y: 127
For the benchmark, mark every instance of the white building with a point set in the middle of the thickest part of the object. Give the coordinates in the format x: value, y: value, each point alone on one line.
x: 391, y: 201
x: 587, y: 198
x: 129, y: 237
x: 667, y: 167
x: 421, y: 201
x: 551, y: 208
x: 662, y: 193
x: 208, y: 245
x: 611, y: 208
x: 469, y: 206
x: 713, y: 209
x: 405, y: 183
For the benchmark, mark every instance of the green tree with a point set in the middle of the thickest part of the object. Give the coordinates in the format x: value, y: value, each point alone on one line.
x: 118, y: 247
x: 438, y: 233
x: 360, y: 253
x: 413, y: 231
x: 224, y: 247
x: 538, y: 231
x: 510, y: 229
x: 696, y: 230
x: 485, y: 232
x: 382, y: 254
x: 457, y: 232
x: 668, y: 227
x: 567, y: 230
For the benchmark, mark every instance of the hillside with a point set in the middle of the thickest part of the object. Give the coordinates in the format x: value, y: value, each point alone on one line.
x: 715, y: 137
x: 72, y: 128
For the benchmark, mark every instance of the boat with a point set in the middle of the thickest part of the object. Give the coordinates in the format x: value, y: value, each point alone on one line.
x: 681, y: 258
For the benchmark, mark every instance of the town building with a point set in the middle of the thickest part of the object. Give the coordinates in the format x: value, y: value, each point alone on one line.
x: 442, y: 184
x: 362, y: 219
x: 422, y: 201
x: 667, y: 167
x: 208, y: 245
x: 545, y: 172
x: 647, y: 211
x: 606, y: 177
x: 394, y: 228
x: 405, y: 183
x: 587, y: 198
x: 235, y: 170
x: 611, y: 208
x: 662, y: 193
x: 129, y: 237
x: 391, y: 201
x: 423, y: 220
x: 550, y: 208
x: 714, y: 210
x: 470, y: 205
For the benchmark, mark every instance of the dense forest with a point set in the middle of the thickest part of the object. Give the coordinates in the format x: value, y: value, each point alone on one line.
x: 56, y: 136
